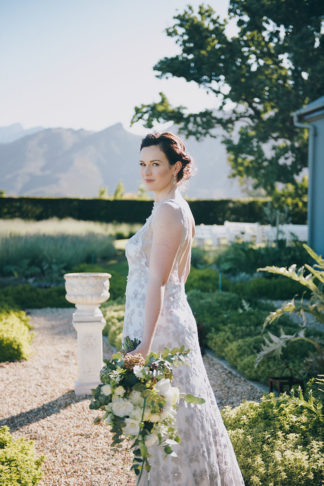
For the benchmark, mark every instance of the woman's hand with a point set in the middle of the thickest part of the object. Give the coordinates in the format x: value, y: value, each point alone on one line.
x: 143, y: 349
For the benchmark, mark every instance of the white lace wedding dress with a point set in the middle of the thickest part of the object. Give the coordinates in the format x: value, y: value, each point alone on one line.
x: 205, y: 456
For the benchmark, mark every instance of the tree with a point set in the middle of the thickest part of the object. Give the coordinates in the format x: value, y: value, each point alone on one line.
x: 119, y: 191
x: 273, y: 66
x: 103, y: 193
x: 142, y: 192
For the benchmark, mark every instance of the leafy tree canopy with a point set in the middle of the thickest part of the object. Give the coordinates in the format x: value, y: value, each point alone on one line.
x: 273, y: 66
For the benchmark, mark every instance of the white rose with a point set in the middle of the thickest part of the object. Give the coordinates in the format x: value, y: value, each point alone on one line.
x: 106, y: 390
x: 119, y: 391
x: 172, y: 396
x: 163, y: 386
x: 121, y: 407
x: 136, y: 398
x: 138, y: 371
x: 151, y: 439
x: 136, y: 413
x: 168, y: 412
x: 132, y: 427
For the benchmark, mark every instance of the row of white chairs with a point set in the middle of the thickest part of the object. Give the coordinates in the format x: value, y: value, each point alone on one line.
x: 216, y: 235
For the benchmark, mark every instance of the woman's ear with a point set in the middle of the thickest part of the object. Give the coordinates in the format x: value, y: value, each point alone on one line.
x: 178, y: 165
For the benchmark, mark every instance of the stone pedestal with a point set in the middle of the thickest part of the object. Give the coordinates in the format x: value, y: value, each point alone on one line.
x: 87, y: 291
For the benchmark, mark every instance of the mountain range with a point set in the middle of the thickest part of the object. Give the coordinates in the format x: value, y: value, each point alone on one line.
x: 75, y: 163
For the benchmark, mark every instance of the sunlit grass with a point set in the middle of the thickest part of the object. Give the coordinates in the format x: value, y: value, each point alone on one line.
x: 67, y: 226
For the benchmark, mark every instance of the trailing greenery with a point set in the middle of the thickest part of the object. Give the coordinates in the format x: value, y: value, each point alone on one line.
x: 15, y: 335
x: 279, y: 441
x: 18, y: 462
x: 313, y: 281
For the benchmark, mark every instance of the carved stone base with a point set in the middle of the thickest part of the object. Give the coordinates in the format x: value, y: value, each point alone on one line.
x: 87, y: 291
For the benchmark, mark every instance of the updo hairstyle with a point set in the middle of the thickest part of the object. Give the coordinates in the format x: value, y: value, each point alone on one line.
x: 174, y: 150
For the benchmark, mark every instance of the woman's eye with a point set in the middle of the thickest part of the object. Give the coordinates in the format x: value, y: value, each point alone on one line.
x: 155, y: 163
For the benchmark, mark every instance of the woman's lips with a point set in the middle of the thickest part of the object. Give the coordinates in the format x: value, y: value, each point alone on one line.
x: 149, y: 180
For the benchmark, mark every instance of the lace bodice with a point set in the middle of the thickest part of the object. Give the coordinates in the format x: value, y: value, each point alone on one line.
x: 138, y: 250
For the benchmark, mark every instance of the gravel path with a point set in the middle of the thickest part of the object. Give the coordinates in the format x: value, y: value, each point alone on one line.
x: 37, y: 401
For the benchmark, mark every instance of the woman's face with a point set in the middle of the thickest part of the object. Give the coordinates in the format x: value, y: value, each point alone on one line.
x: 155, y: 169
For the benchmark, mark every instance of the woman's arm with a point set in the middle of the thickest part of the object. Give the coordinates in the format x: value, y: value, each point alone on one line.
x: 167, y: 233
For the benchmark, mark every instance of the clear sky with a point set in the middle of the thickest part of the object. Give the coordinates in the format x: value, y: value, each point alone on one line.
x: 87, y: 63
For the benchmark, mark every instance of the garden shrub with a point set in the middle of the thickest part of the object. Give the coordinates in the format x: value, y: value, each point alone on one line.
x: 15, y: 335
x: 269, y: 288
x: 27, y: 296
x: 114, y: 315
x: 18, y: 463
x: 244, y: 257
x: 50, y: 256
x: 207, y: 280
x: 279, y: 441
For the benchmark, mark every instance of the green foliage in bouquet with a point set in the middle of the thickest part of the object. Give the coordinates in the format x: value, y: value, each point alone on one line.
x: 313, y: 281
x: 18, y: 464
x: 139, y: 401
x: 15, y: 335
x: 278, y: 441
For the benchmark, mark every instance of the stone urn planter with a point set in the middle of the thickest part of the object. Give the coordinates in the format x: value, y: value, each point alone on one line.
x: 87, y: 291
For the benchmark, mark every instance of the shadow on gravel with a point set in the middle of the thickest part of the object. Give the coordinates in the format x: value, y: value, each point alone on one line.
x: 15, y: 422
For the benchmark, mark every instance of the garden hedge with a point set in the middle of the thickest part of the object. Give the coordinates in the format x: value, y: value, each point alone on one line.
x: 279, y: 441
x: 18, y: 463
x: 15, y: 335
x: 134, y: 211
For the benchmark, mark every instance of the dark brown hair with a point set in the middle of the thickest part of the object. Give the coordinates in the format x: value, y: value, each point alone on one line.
x: 174, y: 149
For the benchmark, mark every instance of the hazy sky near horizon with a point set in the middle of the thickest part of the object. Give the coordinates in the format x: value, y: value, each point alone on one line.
x: 87, y: 63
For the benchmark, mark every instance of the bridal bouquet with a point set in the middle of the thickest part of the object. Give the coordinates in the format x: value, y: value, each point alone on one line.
x: 139, y: 401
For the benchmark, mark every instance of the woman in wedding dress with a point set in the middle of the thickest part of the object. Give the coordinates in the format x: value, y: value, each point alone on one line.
x: 157, y: 312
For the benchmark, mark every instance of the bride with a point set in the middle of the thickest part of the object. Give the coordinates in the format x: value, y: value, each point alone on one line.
x: 157, y: 312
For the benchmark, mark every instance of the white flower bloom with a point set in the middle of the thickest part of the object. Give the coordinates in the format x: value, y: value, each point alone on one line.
x: 121, y: 407
x: 136, y: 398
x: 106, y: 390
x: 151, y: 439
x: 138, y: 371
x: 163, y: 386
x: 168, y: 412
x: 119, y: 391
x: 172, y: 396
x: 136, y: 413
x: 132, y: 427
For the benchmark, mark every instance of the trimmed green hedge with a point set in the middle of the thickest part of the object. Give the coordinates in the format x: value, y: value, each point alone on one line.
x: 214, y: 211
x: 15, y: 335
x: 279, y: 441
x: 27, y: 296
x: 18, y: 463
x: 207, y: 280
